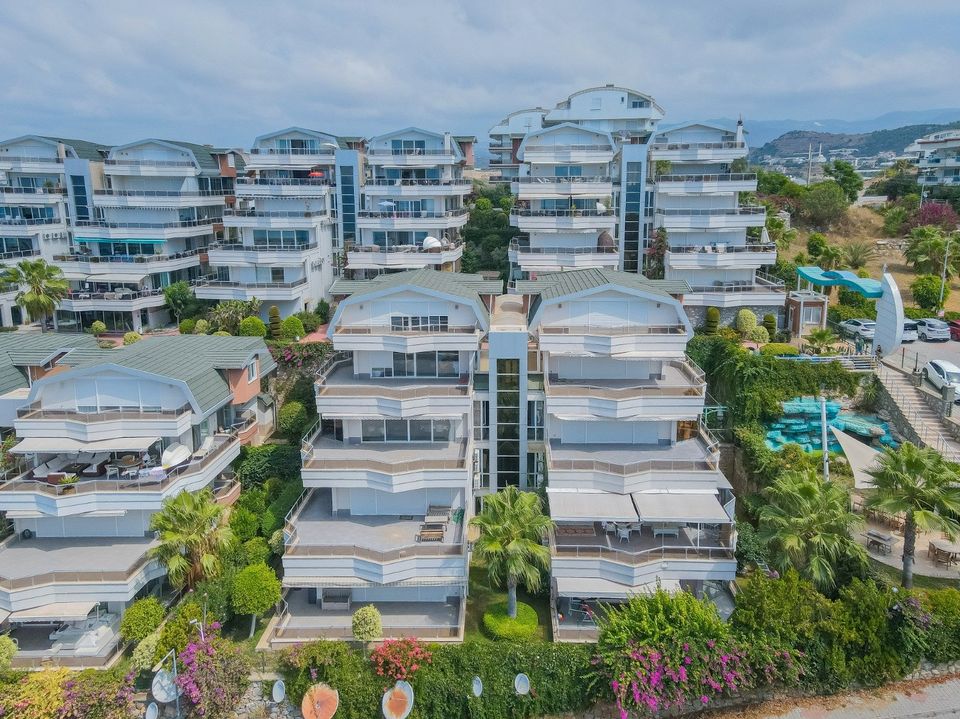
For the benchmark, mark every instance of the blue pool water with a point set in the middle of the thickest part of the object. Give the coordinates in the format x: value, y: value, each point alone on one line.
x: 800, y: 424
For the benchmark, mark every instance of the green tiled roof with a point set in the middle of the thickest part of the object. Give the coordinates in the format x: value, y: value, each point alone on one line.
x: 205, y: 154
x: 85, y: 149
x: 22, y: 349
x: 192, y: 359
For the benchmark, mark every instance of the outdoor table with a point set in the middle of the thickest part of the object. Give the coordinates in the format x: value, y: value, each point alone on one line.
x: 946, y: 547
x: 880, y: 541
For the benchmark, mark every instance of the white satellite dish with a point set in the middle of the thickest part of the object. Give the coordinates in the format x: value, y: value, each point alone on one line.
x: 522, y: 684
x: 153, y: 711
x: 279, y: 692
x: 164, y: 688
x: 431, y: 243
x: 601, y: 207
x: 477, y: 686
x: 173, y: 455
x: 386, y: 203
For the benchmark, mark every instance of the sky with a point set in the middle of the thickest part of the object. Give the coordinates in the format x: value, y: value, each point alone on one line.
x: 225, y: 72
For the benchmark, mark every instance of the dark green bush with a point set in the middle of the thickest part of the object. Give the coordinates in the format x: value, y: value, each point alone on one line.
x: 256, y: 551
x: 712, y: 321
x: 309, y: 320
x: 272, y: 518
x: 292, y: 328
x: 292, y: 420
x: 257, y: 464
x: 751, y: 550
x: 323, y: 311
x: 186, y: 326
x: 498, y: 625
x: 776, y: 349
x: 216, y: 593
x: 244, y: 524
x: 141, y: 618
x: 252, y: 327
x: 943, y: 642
x: 276, y: 328
x: 770, y: 324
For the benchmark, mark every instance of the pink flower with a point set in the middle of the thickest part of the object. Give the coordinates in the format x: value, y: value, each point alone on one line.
x: 704, y: 699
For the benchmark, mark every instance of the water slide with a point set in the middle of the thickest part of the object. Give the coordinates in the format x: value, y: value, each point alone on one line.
x: 872, y: 289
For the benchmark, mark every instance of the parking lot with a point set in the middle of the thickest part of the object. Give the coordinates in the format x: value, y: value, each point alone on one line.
x: 917, y: 354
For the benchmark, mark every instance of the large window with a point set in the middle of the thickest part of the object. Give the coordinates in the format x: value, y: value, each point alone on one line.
x: 481, y: 420
x: 568, y: 171
x: 406, y: 430
x: 535, y: 419
x: 281, y: 238
x: 508, y: 422
x: 408, y: 147
x: 80, y: 200
x: 424, y: 323
x: 426, y: 364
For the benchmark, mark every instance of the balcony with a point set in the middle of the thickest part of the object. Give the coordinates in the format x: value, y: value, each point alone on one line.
x: 928, y: 180
x: 107, y: 423
x: 303, y: 187
x: 530, y: 220
x: 145, y: 230
x: 626, y: 468
x: 762, y: 290
x: 417, y: 187
x: 387, y: 338
x: 119, y: 300
x: 216, y: 289
x: 694, y: 184
x: 567, y: 154
x: 135, y: 265
x: 293, y: 158
x: 223, y: 254
x: 552, y: 259
x: 697, y: 151
x: 720, y: 255
x: 547, y: 187
x: 150, y: 168
x: 644, y: 340
x: 677, y: 393
x: 406, y: 257
x: 710, y: 218
x: 32, y: 195
x: 385, y: 466
x: 18, y: 255
x: 277, y: 220
x: 158, y: 198
x: 412, y: 157
x: 27, y: 163
x: 945, y: 161
x: 340, y: 393
x: 412, y: 219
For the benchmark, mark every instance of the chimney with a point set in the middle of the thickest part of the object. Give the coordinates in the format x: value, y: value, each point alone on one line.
x: 446, y: 142
x: 740, y: 129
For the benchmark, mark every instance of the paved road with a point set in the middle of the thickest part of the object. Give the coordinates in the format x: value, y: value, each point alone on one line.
x: 930, y: 702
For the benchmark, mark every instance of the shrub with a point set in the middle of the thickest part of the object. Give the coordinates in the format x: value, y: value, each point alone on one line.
x: 775, y: 349
x: 257, y: 464
x: 131, y: 337
x: 187, y: 326
x: 94, y: 694
x: 216, y: 595
x: 201, y: 327
x: 339, y: 666
x: 894, y: 221
x: 143, y: 617
x: 366, y: 624
x: 399, y: 659
x: 221, y: 333
x: 770, y: 323
x: 309, y: 320
x: 943, y: 643
x: 272, y: 518
x: 292, y: 420
x: 292, y: 328
x: 298, y: 354
x: 252, y: 327
x: 145, y: 653
x: 244, y: 524
x: 759, y: 335
x: 751, y: 550
x: 105, y: 344
x: 8, y: 650
x: 276, y: 328
x: 255, y: 589
x: 97, y: 328
x: 498, y: 625
x: 277, y: 542
x: 214, y: 675
x: 323, y: 311
x: 256, y: 551
x: 713, y: 321
x: 926, y: 291
x: 254, y: 500
x: 745, y: 322
x: 177, y: 632
x: 816, y: 244
x: 39, y: 695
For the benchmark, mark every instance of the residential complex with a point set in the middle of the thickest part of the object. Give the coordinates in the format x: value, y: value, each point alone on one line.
x: 938, y: 158
x: 105, y: 436
x: 443, y: 390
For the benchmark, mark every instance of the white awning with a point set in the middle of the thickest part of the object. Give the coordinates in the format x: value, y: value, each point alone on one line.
x: 54, y: 445
x: 76, y: 276
x: 861, y: 458
x: 682, y: 508
x: 580, y: 506
x: 582, y: 588
x: 56, y: 612
x: 134, y: 277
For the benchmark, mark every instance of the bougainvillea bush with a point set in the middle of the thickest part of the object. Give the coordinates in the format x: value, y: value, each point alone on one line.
x: 399, y: 659
x: 95, y: 694
x: 213, y: 675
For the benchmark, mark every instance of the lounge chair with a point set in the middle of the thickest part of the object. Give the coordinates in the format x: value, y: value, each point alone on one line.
x: 96, y: 465
x: 41, y: 471
x: 204, y: 449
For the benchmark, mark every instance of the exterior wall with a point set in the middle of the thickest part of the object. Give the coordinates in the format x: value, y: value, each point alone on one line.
x: 728, y: 315
x: 242, y: 389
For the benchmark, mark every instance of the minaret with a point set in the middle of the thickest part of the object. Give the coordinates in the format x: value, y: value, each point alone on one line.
x: 740, y: 129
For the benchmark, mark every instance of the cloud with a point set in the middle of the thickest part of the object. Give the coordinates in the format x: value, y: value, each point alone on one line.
x: 225, y: 72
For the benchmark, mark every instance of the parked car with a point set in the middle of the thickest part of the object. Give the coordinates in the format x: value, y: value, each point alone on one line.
x: 954, y: 326
x: 864, y: 328
x: 941, y: 373
x: 909, y: 331
x: 933, y: 330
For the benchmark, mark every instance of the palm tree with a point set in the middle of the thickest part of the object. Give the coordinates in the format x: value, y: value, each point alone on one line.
x: 512, y: 527
x: 820, y: 341
x: 858, y: 254
x: 925, y: 251
x: 830, y: 257
x: 808, y: 524
x: 41, y: 287
x: 919, y: 484
x: 192, y: 536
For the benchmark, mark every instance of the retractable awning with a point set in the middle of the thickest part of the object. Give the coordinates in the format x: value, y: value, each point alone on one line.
x: 581, y: 506
x: 54, y: 445
x: 681, y: 508
x: 55, y: 612
x: 75, y: 276
x: 582, y: 588
x: 132, y: 277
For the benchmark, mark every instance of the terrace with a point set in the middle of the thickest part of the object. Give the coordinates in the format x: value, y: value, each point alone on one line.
x: 53, y: 560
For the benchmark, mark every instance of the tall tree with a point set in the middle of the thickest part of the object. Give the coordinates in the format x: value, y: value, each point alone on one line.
x: 179, y: 298
x: 846, y: 176
x: 41, y: 287
x: 808, y: 525
x: 823, y: 204
x: 193, y: 534
x: 919, y: 484
x: 512, y: 526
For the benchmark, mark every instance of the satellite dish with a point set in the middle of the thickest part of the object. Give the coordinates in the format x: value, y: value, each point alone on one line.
x: 477, y: 687
x: 601, y: 207
x: 153, y: 711
x: 386, y: 203
x: 522, y: 684
x: 164, y: 688
x: 320, y: 702
x: 397, y: 701
x: 431, y: 243
x: 279, y: 691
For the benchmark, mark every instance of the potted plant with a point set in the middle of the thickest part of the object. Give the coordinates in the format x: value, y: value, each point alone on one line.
x: 68, y: 482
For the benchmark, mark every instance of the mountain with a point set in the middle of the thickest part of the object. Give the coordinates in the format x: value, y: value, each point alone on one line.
x: 797, y: 142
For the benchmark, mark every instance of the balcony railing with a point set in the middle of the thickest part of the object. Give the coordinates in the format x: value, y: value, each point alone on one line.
x: 150, y: 163
x: 208, y: 282
x: 365, y: 463
x: 162, y: 193
x: 15, y: 254
x: 38, y: 580
x: 239, y: 247
x: 614, y: 331
x: 270, y: 215
x: 528, y: 212
x: 149, y: 225
x: 549, y: 180
x: 709, y: 462
x: 761, y: 283
x: 730, y: 145
x: 588, y: 250
x: 9, y: 189
x: 412, y: 151
x: 728, y: 177
x: 716, y: 249
x: 292, y: 151
x: 412, y: 214
x: 285, y: 181
x: 127, y: 259
x: 380, y: 329
x: 118, y: 295
x: 567, y: 148
x: 29, y: 158
x: 407, y: 249
x: 418, y: 182
x: 711, y: 211
x: 640, y: 556
x: 35, y: 411
x: 25, y: 221
x: 384, y: 390
x: 694, y: 387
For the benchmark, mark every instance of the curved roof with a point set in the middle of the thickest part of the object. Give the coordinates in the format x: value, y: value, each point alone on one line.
x: 841, y: 278
x: 611, y: 87
x: 315, y: 133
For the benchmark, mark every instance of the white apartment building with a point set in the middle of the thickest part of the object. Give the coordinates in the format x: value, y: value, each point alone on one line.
x: 938, y: 159
x: 387, y: 470
x: 280, y: 240
x: 106, y: 436
x: 413, y: 203
x: 717, y: 243
x: 45, y: 182
x: 505, y: 139
x: 634, y: 485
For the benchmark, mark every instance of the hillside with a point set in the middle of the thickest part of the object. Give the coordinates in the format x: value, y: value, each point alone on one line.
x: 868, y: 143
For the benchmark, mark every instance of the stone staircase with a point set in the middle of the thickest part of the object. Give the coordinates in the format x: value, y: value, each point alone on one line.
x: 927, y: 426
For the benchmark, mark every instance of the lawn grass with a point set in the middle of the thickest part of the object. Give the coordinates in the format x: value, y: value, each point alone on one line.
x: 482, y: 594
x: 891, y: 576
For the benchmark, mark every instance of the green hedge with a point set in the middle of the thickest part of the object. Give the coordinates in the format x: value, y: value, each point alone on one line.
x: 500, y: 626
